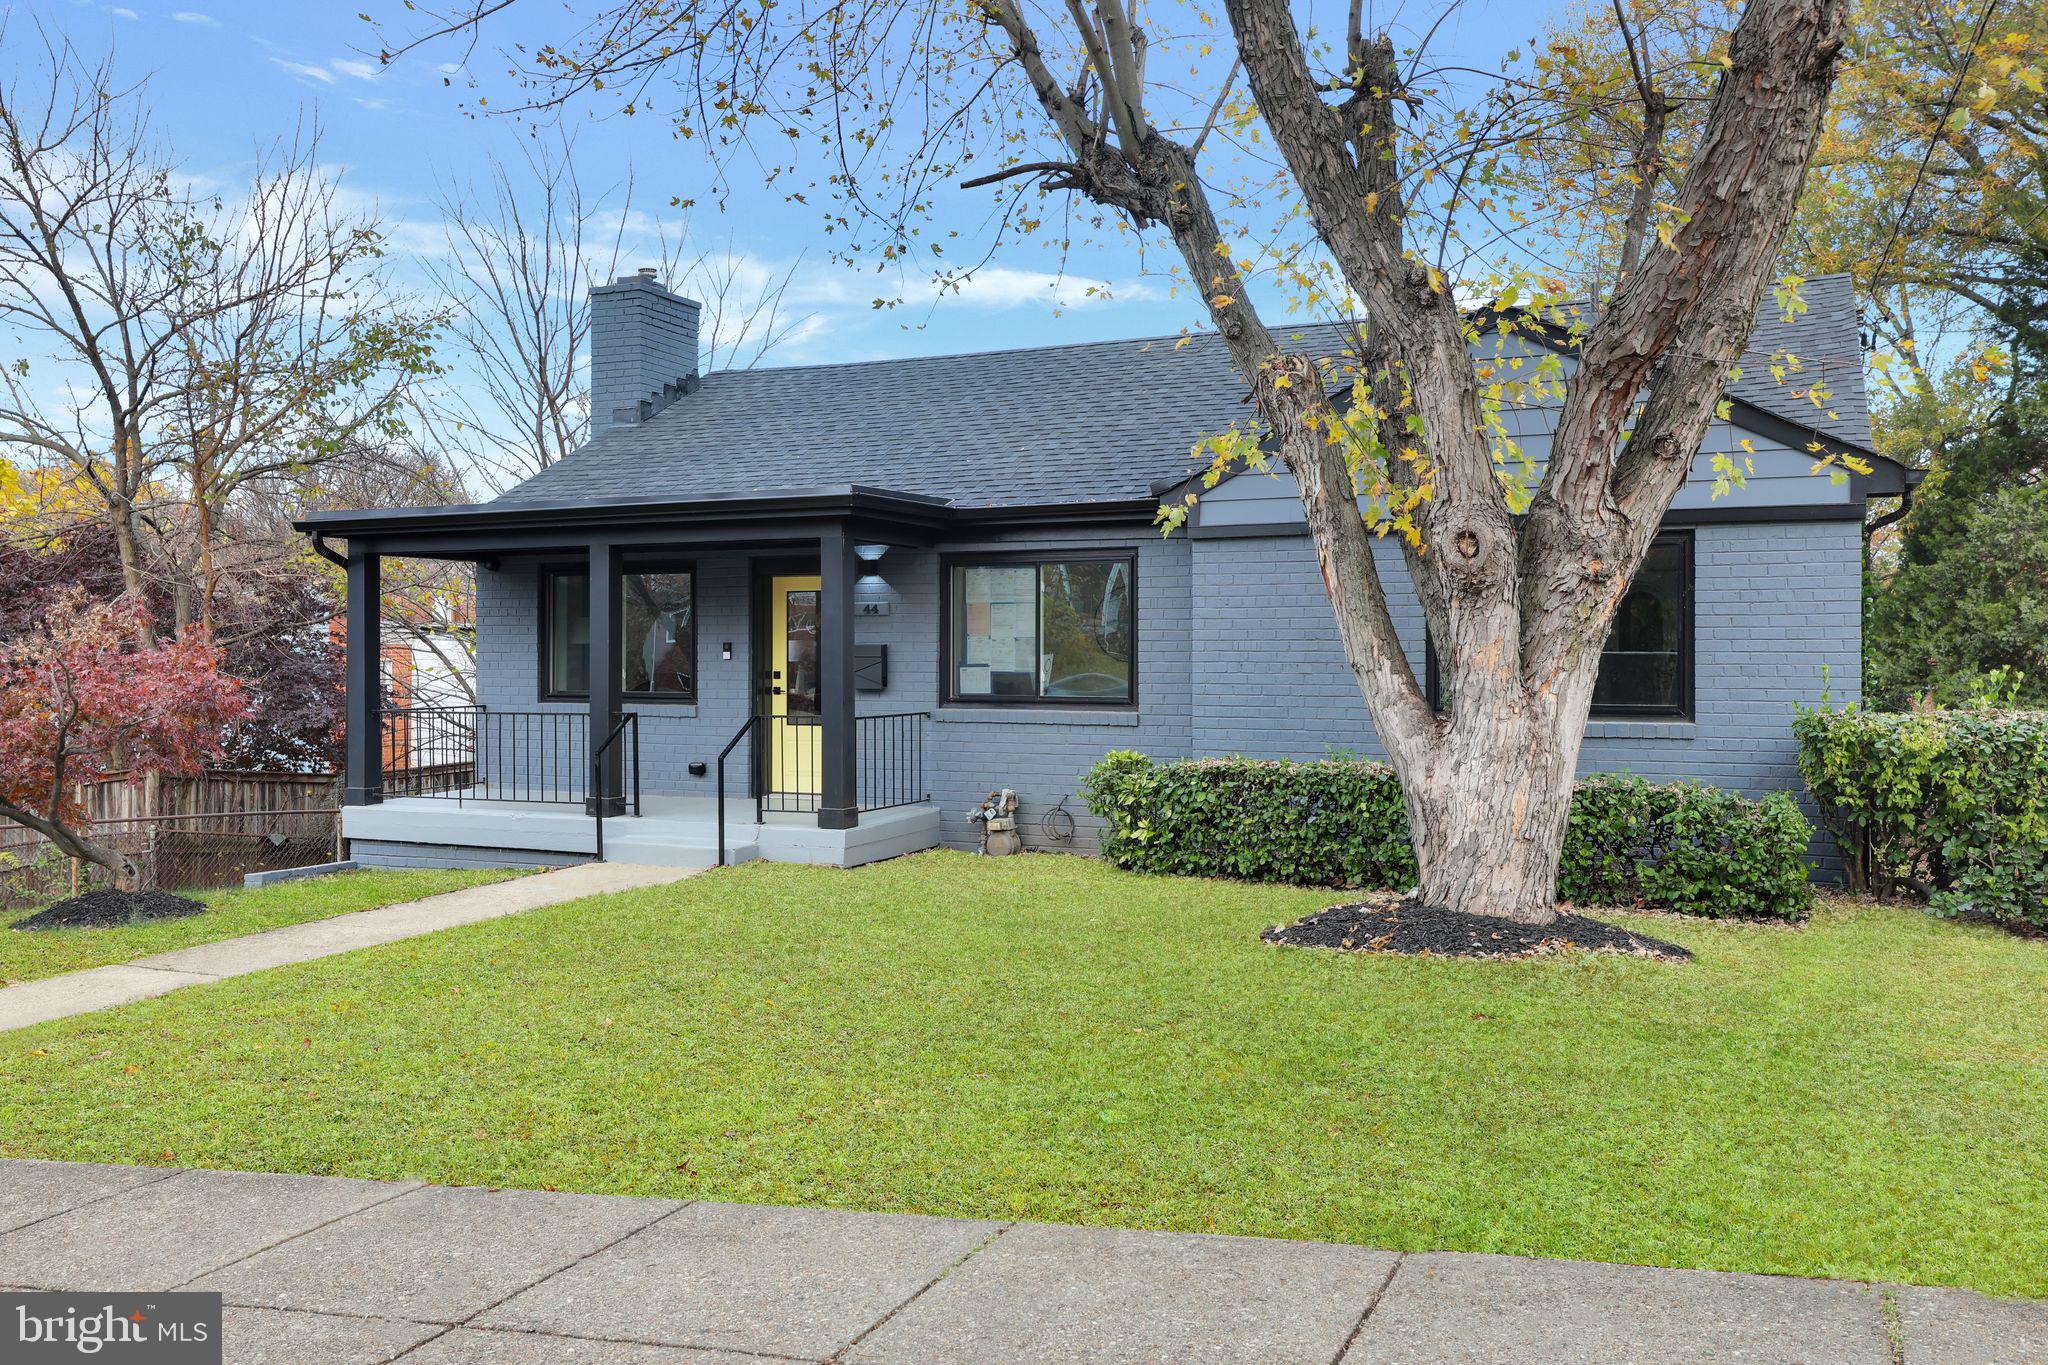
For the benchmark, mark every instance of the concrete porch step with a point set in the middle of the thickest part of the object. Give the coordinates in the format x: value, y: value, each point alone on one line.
x: 671, y: 831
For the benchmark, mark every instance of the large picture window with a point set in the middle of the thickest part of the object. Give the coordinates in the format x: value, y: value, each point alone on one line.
x: 658, y: 634
x: 1054, y: 629
x: 1646, y: 664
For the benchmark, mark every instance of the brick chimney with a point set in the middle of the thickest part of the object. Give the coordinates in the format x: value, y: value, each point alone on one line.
x: 643, y: 349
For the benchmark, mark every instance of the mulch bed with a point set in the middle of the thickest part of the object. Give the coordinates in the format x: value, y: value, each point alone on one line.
x: 1397, y: 925
x: 110, y: 909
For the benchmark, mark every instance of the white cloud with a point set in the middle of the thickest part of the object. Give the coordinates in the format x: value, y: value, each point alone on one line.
x: 1000, y: 287
x: 122, y: 13
x: 304, y: 71
x: 193, y: 16
x: 361, y: 70
x: 378, y: 105
x: 449, y: 68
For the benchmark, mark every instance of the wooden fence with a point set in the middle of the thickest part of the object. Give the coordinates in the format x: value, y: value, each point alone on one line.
x: 185, y: 832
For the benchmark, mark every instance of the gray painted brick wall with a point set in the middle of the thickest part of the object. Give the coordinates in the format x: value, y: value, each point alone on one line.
x: 1777, y: 614
x: 1238, y: 654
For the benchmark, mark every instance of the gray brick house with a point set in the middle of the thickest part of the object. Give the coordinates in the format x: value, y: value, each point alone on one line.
x: 857, y: 597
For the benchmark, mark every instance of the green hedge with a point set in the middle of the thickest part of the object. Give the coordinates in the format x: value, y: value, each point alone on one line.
x: 1951, y: 806
x: 1341, y: 822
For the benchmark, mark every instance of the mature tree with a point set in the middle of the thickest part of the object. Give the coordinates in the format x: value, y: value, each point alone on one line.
x: 86, y: 197
x: 77, y: 693
x: 170, y: 346
x: 1375, y: 202
x: 523, y: 255
x: 290, y: 354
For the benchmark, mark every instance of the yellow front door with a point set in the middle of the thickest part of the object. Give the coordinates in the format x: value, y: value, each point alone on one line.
x: 793, y: 684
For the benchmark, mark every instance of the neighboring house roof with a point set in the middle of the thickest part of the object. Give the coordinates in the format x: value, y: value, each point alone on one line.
x: 1097, y: 422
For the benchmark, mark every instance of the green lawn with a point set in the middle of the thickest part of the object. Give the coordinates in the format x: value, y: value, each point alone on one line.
x: 31, y: 954
x: 1047, y: 1038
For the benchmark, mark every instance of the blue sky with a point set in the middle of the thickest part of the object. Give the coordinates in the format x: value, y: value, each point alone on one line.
x: 227, y: 77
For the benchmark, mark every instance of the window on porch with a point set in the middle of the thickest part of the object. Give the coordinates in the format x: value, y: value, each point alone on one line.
x: 658, y: 624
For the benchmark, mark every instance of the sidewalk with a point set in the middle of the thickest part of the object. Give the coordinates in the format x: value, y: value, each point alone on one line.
x: 100, y: 988
x: 343, y: 1271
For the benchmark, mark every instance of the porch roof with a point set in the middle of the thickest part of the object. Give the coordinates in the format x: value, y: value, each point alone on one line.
x: 502, y: 526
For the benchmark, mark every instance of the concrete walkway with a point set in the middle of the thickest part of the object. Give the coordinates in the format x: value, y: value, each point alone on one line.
x: 344, y: 1271
x: 99, y: 988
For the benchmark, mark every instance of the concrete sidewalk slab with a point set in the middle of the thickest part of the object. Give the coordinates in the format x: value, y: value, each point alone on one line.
x: 466, y: 1346
x: 436, y: 1254
x: 269, y: 1336
x: 34, y: 1190
x: 170, y: 1231
x: 1956, y: 1327
x: 1510, y: 1310
x: 59, y: 997
x: 1045, y: 1293
x: 439, y: 1276
x: 776, y: 1281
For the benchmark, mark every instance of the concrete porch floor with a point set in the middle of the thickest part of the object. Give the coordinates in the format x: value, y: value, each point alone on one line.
x: 670, y: 831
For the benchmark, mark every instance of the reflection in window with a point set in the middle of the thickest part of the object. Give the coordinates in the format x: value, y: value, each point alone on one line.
x: 658, y: 629
x: 1058, y: 630
x: 1641, y: 667
x: 568, y: 642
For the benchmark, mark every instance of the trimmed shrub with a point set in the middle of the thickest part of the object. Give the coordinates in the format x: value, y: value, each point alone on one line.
x: 1341, y: 822
x: 1950, y: 806
x: 1684, y: 846
x: 1332, y: 822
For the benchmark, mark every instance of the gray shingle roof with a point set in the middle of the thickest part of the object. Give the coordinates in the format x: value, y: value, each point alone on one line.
x: 1100, y: 421
x: 1826, y: 392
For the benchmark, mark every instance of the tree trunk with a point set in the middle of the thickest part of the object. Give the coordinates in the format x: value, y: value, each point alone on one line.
x: 119, y: 865
x: 1488, y: 819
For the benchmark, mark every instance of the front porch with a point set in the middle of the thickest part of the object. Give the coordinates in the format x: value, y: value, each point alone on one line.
x: 670, y: 831
x: 643, y: 669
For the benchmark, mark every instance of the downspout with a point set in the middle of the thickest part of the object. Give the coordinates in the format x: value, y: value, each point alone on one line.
x: 328, y: 552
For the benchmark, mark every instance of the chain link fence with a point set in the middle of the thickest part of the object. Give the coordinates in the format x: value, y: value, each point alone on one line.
x: 189, y: 852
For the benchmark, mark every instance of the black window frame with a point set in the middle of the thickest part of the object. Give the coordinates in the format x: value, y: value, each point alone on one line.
x: 949, y: 670
x: 550, y: 572
x: 1683, y: 710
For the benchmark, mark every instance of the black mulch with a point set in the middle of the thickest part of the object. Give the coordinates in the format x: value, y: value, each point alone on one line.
x: 108, y: 909
x: 1406, y: 926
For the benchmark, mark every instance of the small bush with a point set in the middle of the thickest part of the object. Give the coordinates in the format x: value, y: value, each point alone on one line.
x: 1951, y: 806
x: 1341, y: 822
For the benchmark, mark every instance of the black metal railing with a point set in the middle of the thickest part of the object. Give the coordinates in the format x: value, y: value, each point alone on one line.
x: 628, y: 725
x: 889, y: 760
x: 791, y: 764
x: 429, y: 750
x: 746, y: 732
x: 480, y: 753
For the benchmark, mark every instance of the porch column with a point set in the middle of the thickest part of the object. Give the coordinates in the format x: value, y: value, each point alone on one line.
x: 606, y: 671
x: 838, y: 803
x: 362, y: 714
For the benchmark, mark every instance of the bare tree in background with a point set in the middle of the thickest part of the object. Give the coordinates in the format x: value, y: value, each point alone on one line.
x: 173, y: 345
x: 88, y: 201
x: 292, y: 356
x: 522, y: 257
